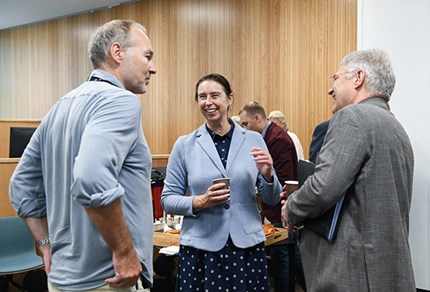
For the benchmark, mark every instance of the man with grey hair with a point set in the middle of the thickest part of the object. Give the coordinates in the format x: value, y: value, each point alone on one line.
x: 83, y: 183
x: 367, y: 159
x: 278, y: 118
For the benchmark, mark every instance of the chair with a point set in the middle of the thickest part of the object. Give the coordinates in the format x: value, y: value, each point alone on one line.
x: 17, y: 252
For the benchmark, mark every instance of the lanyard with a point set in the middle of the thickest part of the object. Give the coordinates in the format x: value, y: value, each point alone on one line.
x: 93, y: 78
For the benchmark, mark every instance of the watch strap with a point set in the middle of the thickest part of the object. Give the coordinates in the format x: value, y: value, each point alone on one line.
x: 43, y: 241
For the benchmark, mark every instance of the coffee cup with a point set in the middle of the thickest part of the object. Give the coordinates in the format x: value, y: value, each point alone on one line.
x: 224, y: 180
x: 291, y: 186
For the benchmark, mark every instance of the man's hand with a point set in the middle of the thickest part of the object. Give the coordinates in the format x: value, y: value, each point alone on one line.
x: 45, y: 250
x: 127, y: 270
x: 284, y: 217
x: 110, y: 221
x: 39, y: 229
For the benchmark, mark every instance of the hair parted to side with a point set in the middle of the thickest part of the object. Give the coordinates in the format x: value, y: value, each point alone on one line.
x: 113, y: 31
x: 254, y: 107
x: 217, y: 78
x: 279, y: 116
x: 376, y: 64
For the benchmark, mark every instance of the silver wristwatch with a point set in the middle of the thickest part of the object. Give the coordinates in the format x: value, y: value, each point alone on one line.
x: 43, y: 241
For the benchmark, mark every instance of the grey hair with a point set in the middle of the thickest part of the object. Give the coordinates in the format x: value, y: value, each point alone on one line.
x: 376, y: 64
x: 279, y: 116
x: 112, y: 31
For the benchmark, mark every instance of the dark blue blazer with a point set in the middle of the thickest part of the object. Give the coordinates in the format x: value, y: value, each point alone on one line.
x: 317, y: 140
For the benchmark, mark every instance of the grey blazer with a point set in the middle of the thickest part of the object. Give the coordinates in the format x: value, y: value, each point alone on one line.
x: 367, y: 156
x: 193, y: 164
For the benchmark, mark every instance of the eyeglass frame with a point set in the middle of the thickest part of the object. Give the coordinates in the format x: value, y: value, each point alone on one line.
x: 334, y: 77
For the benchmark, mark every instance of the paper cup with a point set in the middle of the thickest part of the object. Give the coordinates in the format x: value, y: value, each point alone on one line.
x: 291, y: 186
x: 222, y: 180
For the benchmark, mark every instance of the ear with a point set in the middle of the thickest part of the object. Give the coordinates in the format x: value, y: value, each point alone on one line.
x: 359, y: 78
x: 230, y: 99
x: 116, y: 52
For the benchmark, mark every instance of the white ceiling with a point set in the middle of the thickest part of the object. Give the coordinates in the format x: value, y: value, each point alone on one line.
x: 15, y: 13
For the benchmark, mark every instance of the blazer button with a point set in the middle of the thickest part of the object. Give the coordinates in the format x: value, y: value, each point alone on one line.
x: 226, y: 206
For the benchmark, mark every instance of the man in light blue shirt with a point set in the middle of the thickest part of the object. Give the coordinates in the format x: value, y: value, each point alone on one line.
x: 83, y: 183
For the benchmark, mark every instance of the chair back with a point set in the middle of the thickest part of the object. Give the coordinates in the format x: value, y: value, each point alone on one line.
x: 14, y: 237
x: 17, y: 252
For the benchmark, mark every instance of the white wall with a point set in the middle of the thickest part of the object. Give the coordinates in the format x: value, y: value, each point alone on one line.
x: 402, y: 28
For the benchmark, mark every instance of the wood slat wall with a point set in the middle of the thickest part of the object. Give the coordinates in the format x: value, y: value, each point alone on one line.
x: 278, y: 52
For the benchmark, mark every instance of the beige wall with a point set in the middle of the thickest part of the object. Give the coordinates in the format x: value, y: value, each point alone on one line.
x: 279, y: 52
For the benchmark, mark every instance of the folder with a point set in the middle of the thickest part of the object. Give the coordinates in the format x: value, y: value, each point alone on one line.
x: 326, y: 224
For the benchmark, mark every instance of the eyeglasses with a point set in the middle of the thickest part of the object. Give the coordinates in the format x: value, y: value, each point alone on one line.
x: 334, y: 77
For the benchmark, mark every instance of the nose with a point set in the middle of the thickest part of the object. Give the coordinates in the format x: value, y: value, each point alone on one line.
x: 330, y: 91
x: 152, y: 68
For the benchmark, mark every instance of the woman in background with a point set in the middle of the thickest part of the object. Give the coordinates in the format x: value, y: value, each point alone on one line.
x: 222, y: 240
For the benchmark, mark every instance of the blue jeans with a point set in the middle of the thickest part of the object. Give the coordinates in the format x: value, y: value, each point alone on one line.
x: 279, y: 264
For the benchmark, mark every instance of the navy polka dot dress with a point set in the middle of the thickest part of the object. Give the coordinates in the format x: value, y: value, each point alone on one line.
x: 230, y: 269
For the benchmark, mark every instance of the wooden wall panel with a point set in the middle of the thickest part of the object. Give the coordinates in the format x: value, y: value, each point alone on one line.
x: 279, y: 52
x: 5, y: 126
x: 7, y: 166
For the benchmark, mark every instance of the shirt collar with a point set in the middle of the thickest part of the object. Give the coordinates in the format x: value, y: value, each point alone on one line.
x: 101, y: 74
x: 265, y: 128
x: 214, y: 135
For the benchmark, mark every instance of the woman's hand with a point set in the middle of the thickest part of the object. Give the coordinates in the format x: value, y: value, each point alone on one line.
x: 264, y: 162
x: 216, y: 194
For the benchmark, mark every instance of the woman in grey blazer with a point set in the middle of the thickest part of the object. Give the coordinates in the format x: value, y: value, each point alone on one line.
x: 222, y: 240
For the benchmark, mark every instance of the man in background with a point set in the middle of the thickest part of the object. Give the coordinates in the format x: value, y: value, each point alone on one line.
x: 367, y: 159
x: 278, y: 118
x: 317, y: 140
x: 281, y: 148
x: 83, y: 183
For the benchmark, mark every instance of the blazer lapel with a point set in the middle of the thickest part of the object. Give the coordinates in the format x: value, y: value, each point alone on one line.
x: 236, y: 145
x: 205, y: 141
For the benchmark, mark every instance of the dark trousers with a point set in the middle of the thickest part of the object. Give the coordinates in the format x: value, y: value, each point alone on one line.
x: 280, y: 264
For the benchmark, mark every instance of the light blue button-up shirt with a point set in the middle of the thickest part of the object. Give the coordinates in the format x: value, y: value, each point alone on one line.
x: 88, y: 151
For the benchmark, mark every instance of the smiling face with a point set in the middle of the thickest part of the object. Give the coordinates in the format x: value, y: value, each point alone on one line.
x: 342, y: 89
x: 213, y: 101
x: 137, y: 63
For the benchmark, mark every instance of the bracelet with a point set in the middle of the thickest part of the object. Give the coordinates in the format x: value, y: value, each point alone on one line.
x: 43, y: 241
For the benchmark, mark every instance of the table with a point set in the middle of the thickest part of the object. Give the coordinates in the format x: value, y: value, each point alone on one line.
x: 162, y: 239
